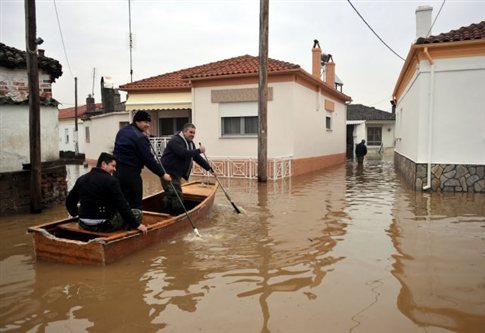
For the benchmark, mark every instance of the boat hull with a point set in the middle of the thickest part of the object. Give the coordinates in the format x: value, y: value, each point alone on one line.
x: 62, y: 241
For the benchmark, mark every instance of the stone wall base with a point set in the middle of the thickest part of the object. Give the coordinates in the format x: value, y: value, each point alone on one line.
x: 444, y: 177
x: 15, y: 189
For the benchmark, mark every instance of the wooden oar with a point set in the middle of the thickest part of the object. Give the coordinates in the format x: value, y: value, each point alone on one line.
x: 196, y: 232
x: 223, y: 190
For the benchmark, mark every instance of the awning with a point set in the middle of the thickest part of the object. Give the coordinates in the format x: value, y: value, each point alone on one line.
x: 355, y: 122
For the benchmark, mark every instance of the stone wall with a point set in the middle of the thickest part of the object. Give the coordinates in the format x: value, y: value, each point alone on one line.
x: 15, y: 189
x: 444, y: 177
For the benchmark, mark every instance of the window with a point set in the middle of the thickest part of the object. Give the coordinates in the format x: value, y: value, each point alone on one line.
x: 169, y: 126
x: 239, y: 126
x: 66, y: 135
x: 374, y: 136
x: 88, y: 137
x: 239, y: 118
x: 328, y: 122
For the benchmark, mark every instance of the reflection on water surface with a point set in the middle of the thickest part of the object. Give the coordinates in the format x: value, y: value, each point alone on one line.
x: 347, y: 249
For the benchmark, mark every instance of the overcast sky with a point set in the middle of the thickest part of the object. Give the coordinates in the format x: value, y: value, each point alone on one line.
x: 176, y: 34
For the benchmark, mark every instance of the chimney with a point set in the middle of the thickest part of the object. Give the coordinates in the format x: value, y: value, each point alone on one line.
x: 90, y: 105
x: 107, y: 92
x: 423, y: 21
x: 330, y: 72
x: 316, y: 59
x: 41, y: 52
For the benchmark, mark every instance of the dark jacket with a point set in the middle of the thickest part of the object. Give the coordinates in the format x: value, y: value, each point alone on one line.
x: 360, y: 150
x: 177, y: 159
x: 132, y: 148
x: 100, y: 196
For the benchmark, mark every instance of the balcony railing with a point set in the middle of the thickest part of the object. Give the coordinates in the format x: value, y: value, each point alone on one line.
x: 235, y: 167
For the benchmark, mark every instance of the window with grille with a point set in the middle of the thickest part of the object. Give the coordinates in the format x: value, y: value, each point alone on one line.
x: 374, y: 136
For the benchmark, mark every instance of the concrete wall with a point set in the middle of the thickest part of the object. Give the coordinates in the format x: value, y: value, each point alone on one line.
x: 14, y: 136
x: 458, y: 133
x: 69, y: 125
x: 103, y: 129
x: 296, y: 124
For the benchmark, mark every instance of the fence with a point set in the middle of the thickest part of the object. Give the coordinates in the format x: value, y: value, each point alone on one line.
x: 236, y: 167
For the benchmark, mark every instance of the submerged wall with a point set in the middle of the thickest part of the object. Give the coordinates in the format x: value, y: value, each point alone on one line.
x: 15, y: 189
x: 444, y: 177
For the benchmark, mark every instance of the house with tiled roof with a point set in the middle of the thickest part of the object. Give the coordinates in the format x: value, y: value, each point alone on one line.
x: 94, y: 120
x: 370, y: 124
x: 438, y: 100
x: 306, y: 115
x: 14, y: 110
x: 67, y: 120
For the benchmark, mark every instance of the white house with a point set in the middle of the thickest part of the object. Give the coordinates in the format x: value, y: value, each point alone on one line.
x: 98, y: 123
x: 14, y: 111
x: 306, y: 115
x: 440, y: 118
x: 67, y: 135
x: 370, y: 124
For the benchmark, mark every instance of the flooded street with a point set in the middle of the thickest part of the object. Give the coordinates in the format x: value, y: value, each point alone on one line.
x: 345, y: 249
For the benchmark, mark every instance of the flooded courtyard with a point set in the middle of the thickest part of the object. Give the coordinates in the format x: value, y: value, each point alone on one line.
x: 346, y: 249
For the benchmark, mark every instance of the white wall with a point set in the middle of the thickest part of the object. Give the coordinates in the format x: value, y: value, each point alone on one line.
x: 295, y: 127
x: 205, y: 116
x: 458, y: 125
x: 103, y: 129
x: 69, y: 125
x: 14, y: 136
x: 311, y: 136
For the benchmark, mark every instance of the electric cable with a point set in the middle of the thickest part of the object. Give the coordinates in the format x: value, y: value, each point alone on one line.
x: 375, y: 33
x: 432, y: 25
x: 62, y: 39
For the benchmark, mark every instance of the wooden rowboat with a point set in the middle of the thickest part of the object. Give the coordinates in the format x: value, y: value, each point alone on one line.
x: 63, y: 241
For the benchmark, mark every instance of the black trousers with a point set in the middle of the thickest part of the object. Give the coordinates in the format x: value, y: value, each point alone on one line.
x: 131, y: 185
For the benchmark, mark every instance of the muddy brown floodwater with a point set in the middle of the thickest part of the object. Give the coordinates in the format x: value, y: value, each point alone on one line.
x: 341, y: 250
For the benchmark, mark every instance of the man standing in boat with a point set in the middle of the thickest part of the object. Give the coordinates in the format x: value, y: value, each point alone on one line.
x: 102, y: 204
x: 177, y: 159
x: 132, y: 152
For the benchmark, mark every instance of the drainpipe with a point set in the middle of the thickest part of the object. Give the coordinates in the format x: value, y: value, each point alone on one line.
x: 430, y: 116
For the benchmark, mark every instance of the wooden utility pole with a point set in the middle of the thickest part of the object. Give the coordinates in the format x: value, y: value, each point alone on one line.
x: 34, y: 108
x: 263, y: 92
x: 76, y: 134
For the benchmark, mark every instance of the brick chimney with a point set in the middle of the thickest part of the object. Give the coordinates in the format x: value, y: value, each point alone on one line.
x: 423, y: 21
x: 316, y: 59
x: 90, y: 104
x: 330, y: 72
x: 40, y: 52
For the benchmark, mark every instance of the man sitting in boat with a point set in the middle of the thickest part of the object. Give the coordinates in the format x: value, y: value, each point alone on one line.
x: 102, y: 204
x: 177, y: 160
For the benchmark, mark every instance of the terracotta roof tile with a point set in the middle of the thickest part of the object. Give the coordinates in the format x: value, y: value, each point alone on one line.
x: 471, y: 32
x: 81, y: 110
x: 241, y: 65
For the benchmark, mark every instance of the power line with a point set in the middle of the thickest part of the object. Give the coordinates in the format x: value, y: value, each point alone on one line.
x: 375, y: 33
x: 432, y: 25
x: 62, y: 39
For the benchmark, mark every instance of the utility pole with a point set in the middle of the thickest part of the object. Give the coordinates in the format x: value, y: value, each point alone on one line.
x: 130, y: 36
x: 76, y: 134
x: 263, y: 93
x: 34, y: 108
